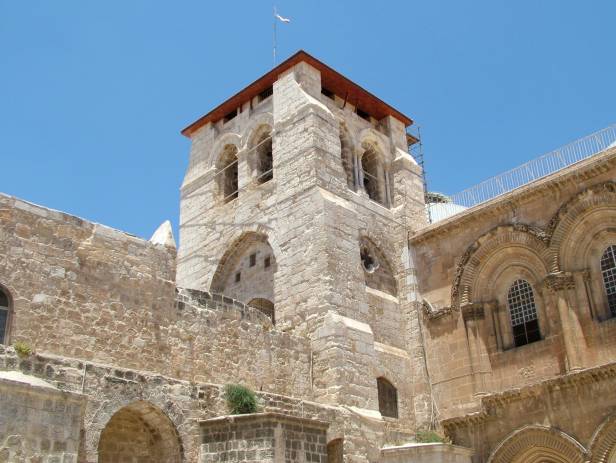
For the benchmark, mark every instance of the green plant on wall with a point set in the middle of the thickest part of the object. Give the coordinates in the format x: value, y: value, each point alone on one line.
x: 240, y: 399
x: 22, y: 349
x: 428, y: 436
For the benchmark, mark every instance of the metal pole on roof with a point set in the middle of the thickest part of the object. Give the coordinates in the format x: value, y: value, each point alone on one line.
x: 274, y: 18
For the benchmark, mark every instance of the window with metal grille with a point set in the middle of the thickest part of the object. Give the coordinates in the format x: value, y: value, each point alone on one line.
x: 523, y: 313
x: 388, y: 398
x: 608, y: 271
x: 4, y: 316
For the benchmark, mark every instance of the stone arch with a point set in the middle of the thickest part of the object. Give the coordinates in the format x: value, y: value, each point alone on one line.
x: 227, y: 173
x: 256, y: 122
x: 265, y: 306
x: 139, y: 432
x: 373, y: 172
x: 260, y: 152
x: 538, y: 444
x: 246, y: 269
x: 603, y: 442
x: 335, y: 451
x: 378, y: 271
x: 569, y: 216
x: 468, y: 267
x: 373, y: 137
x: 228, y: 138
x: 347, y: 154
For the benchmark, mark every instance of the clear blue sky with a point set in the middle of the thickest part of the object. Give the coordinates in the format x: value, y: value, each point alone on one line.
x: 93, y: 94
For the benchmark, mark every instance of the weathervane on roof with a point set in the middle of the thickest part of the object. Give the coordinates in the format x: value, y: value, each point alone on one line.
x: 277, y: 18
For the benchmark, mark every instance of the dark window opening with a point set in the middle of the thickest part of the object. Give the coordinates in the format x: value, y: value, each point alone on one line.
x: 335, y: 451
x: 368, y: 261
x: 608, y: 271
x: 328, y: 93
x: 238, y: 277
x: 363, y: 114
x: 269, y: 91
x: 253, y: 260
x: 265, y: 161
x: 4, y: 316
x: 267, y: 262
x: 523, y: 313
x: 265, y: 306
x: 229, y: 116
x: 388, y: 398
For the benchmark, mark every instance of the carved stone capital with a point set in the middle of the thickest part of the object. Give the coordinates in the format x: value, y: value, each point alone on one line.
x: 559, y: 281
x: 472, y: 311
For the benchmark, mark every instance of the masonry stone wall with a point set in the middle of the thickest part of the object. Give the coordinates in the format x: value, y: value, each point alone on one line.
x: 551, y: 233
x: 37, y: 421
x: 263, y: 438
x: 315, y: 220
x: 86, y: 291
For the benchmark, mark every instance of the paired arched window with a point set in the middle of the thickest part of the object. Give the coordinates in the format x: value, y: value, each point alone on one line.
x: 388, y: 398
x: 373, y: 173
x: 4, y: 316
x: 348, y: 158
x: 523, y: 313
x: 608, y: 272
x: 228, y: 173
x: 265, y: 160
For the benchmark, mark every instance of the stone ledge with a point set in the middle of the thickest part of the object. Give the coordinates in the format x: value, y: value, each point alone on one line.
x: 265, y: 416
x: 426, y: 453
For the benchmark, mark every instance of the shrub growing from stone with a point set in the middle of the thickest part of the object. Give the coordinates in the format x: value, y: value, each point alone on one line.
x: 240, y: 399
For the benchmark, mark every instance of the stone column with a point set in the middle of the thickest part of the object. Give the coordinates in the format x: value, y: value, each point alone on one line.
x: 561, y: 286
x: 474, y: 321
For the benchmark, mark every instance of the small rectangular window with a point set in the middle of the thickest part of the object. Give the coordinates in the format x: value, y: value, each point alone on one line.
x: 267, y: 262
x: 253, y: 260
x: 328, y: 93
x: 229, y: 116
x: 269, y: 91
x: 363, y: 114
x: 238, y: 277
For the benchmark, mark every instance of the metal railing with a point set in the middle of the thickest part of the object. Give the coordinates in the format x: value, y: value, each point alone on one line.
x: 535, y: 169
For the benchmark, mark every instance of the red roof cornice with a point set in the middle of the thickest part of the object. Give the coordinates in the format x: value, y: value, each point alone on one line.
x: 330, y: 79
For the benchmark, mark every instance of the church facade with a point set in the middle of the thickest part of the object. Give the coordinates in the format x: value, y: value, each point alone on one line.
x: 308, y: 269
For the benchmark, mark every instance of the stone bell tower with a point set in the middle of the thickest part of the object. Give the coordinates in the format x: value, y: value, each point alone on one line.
x: 298, y: 199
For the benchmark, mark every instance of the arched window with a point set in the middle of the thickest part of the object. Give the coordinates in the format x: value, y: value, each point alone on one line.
x: 373, y: 175
x: 335, y: 451
x: 608, y: 271
x: 227, y: 173
x: 264, y: 305
x: 523, y: 313
x: 388, y: 398
x: 4, y: 317
x: 378, y: 273
x: 265, y: 161
x: 348, y: 158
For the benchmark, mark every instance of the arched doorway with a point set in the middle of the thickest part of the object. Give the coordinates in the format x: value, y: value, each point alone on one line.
x: 138, y: 433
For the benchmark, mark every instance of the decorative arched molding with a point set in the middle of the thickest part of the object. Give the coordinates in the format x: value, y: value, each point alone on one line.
x: 602, y: 195
x: 370, y: 137
x: 382, y: 277
x: 229, y: 138
x: 538, y: 444
x: 384, y: 247
x: 256, y: 122
x: 247, y: 235
x: 470, y: 263
x: 603, y: 441
x: 257, y: 130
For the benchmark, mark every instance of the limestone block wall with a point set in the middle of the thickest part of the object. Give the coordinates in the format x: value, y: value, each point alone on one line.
x: 86, y: 291
x: 314, y: 222
x: 170, y: 410
x: 552, y: 234
x: 265, y: 438
x: 38, y: 422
